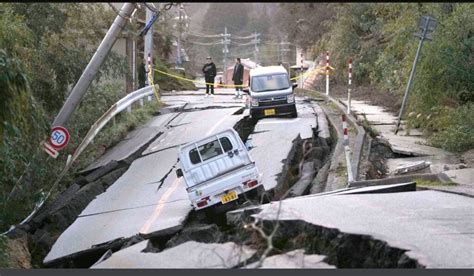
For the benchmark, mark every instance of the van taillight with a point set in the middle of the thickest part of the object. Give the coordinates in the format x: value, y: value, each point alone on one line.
x: 250, y: 183
x: 203, y: 202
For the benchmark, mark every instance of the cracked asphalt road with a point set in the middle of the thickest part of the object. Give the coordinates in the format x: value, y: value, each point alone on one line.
x: 148, y: 197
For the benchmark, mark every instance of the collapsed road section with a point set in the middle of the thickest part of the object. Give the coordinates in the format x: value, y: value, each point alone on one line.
x: 138, y: 204
x: 134, y: 204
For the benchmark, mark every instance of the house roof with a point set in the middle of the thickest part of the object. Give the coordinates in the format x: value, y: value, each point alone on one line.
x: 247, y: 63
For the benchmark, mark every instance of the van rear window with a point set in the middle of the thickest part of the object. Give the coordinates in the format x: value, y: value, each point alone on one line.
x: 210, y: 150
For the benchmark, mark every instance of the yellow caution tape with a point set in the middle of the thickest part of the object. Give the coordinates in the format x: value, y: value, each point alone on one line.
x: 196, y: 81
x: 317, y: 70
x: 150, y: 80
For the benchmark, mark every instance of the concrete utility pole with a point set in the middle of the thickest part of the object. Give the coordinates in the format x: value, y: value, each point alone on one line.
x: 427, y: 24
x: 92, y: 68
x: 180, y: 30
x: 255, y: 41
x: 282, y: 53
x: 148, y: 46
x: 225, y: 42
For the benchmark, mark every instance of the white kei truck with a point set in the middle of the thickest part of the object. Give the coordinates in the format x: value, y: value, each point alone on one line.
x: 218, y: 170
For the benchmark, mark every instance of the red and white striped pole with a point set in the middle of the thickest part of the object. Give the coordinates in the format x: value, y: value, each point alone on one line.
x: 327, y: 73
x: 347, y: 150
x: 346, y: 132
x: 349, y: 87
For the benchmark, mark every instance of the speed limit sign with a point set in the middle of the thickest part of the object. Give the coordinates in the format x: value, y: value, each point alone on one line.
x: 59, y: 137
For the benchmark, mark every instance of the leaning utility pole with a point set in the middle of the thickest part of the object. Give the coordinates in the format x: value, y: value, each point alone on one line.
x: 92, y: 68
x: 427, y: 24
x: 225, y: 41
x: 148, y: 46
x: 180, y: 30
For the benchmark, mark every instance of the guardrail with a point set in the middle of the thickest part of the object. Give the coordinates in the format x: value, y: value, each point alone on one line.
x: 115, y: 109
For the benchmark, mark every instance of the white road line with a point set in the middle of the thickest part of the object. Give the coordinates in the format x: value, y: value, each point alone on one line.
x: 160, y: 205
x: 216, y: 125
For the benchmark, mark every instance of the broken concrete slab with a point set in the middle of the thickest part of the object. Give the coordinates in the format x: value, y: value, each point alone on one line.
x: 87, y: 232
x: 323, y: 127
x: 134, y: 141
x: 197, y: 255
x: 241, y: 215
x: 301, y: 186
x: 293, y: 259
x: 412, y: 167
x: 272, y: 142
x: 464, y: 179
x: 435, y: 228
x: 100, y: 171
x: 408, y: 145
x: 318, y: 185
x: 400, y: 179
x: 437, y: 163
x: 463, y: 176
x: 393, y: 188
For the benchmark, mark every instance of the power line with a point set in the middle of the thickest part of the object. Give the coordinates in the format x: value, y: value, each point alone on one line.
x: 203, y: 35
x: 243, y: 37
x: 206, y: 44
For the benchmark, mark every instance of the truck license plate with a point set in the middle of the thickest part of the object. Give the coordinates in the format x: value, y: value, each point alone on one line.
x: 269, y: 112
x: 230, y: 196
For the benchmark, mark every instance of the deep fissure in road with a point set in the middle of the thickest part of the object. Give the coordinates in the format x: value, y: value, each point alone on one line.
x: 306, y: 158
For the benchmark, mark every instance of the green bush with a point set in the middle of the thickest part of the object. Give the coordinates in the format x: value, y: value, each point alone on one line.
x: 454, y: 129
x: 169, y: 83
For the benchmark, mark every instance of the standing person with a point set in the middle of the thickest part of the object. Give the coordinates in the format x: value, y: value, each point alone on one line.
x: 209, y: 70
x: 238, y: 78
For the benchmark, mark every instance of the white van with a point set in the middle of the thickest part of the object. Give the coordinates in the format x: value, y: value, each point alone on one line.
x: 271, y: 92
x: 218, y: 170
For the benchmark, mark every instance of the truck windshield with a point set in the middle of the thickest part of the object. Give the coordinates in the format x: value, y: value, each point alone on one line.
x: 270, y: 82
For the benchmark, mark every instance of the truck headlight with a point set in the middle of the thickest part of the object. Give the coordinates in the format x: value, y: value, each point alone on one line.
x: 254, y: 102
x: 291, y: 98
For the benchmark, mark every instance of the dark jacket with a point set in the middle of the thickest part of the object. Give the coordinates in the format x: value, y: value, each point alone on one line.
x: 238, y: 75
x: 209, y: 70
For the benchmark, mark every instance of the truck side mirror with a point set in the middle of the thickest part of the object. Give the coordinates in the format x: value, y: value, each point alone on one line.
x: 246, y: 90
x: 179, y: 173
x: 295, y: 85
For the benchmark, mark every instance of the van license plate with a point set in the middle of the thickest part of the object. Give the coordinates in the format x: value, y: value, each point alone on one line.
x: 269, y: 112
x: 230, y: 196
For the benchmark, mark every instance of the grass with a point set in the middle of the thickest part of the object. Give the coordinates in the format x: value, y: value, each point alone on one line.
x: 341, y: 170
x: 3, y: 252
x: 113, y: 133
x: 366, y: 125
x: 433, y: 183
x: 334, y: 108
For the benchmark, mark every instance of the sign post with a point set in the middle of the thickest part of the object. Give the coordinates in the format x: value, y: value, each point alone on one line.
x: 427, y: 24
